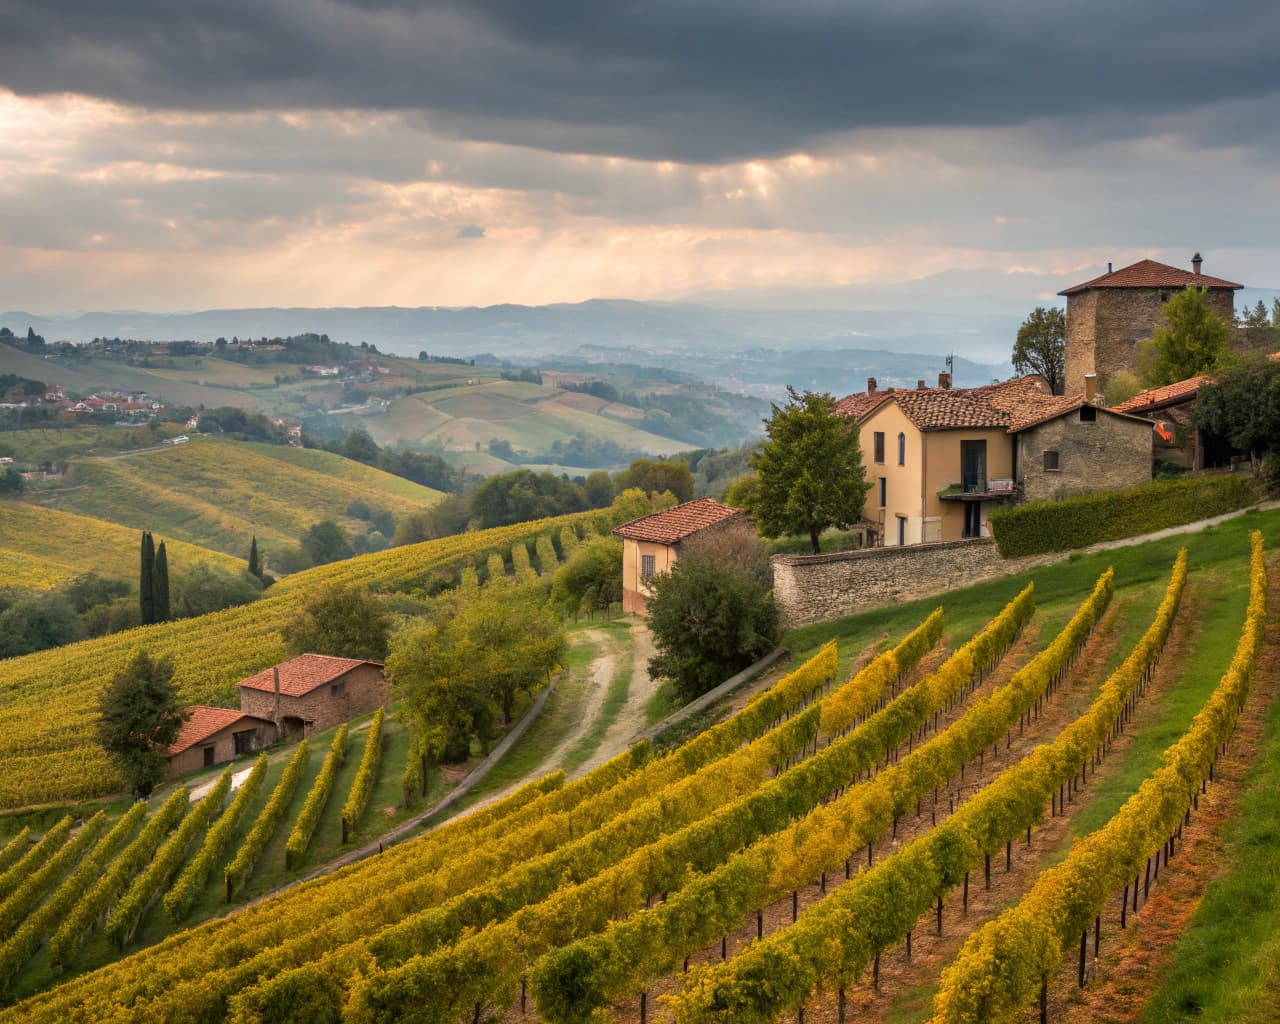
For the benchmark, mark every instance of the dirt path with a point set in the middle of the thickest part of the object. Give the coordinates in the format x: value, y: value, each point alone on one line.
x: 631, y: 719
x: 588, y: 711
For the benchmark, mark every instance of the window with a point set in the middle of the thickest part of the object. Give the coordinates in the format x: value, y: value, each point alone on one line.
x: 878, y: 439
x: 338, y: 689
x: 648, y: 567
x: 1088, y: 414
x: 884, y: 492
x: 902, y: 449
x: 1051, y: 462
x: 244, y: 742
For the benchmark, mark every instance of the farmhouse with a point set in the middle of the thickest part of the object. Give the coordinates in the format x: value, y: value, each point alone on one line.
x: 1176, y: 437
x: 938, y: 458
x: 1109, y: 315
x: 651, y: 544
x: 313, y: 692
x: 216, y: 735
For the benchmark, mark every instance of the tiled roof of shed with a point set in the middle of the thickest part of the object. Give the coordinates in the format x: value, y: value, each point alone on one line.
x: 675, y: 524
x: 1170, y: 394
x: 1150, y: 274
x: 202, y: 722
x: 300, y: 675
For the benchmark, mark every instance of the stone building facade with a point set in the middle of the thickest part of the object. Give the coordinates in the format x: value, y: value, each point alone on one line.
x: 313, y: 692
x: 1108, y: 316
x: 212, y: 736
x: 1082, y: 449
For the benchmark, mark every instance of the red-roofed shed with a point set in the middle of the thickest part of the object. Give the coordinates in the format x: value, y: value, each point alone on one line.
x: 651, y: 544
x: 313, y: 692
x: 216, y: 735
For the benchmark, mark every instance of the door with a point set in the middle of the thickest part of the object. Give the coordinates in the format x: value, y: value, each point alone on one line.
x: 973, y: 466
x: 972, y: 519
x: 902, y: 530
x: 208, y: 757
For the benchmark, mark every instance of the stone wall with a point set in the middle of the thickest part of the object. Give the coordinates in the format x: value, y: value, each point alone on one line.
x: 362, y: 690
x: 814, y: 588
x: 1108, y: 453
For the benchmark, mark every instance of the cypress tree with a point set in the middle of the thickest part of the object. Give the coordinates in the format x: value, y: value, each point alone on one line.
x: 146, y: 580
x: 160, y: 585
x: 255, y: 569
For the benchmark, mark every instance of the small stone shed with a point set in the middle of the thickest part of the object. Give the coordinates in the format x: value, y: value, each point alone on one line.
x: 313, y: 692
x: 213, y: 736
x: 651, y: 544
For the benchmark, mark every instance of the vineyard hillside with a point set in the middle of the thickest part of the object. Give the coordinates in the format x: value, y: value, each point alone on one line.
x: 42, y: 548
x: 219, y: 493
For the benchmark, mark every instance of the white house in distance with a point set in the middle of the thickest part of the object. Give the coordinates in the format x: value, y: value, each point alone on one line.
x: 651, y: 544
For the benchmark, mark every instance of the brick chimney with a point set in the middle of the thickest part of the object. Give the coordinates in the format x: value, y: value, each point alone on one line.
x: 944, y: 379
x: 1195, y: 264
x: 919, y: 385
x: 1090, y: 387
x: 871, y: 385
x: 275, y: 685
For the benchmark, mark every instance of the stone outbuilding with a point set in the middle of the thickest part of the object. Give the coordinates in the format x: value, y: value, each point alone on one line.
x: 313, y: 692
x: 1108, y: 315
x: 651, y: 544
x: 213, y: 736
x: 1176, y: 438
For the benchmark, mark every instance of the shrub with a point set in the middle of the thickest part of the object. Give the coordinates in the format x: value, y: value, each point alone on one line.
x: 1075, y: 522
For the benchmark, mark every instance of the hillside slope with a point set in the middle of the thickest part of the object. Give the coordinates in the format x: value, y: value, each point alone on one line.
x: 219, y: 493
x: 43, y: 547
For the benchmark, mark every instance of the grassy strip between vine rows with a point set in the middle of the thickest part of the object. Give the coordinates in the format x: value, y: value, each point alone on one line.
x: 268, y: 820
x: 1007, y: 961
x: 34, y: 857
x: 19, y: 902
x: 632, y: 870
x: 838, y: 937
x: 304, y: 825
x: 362, y: 784
x: 570, y: 982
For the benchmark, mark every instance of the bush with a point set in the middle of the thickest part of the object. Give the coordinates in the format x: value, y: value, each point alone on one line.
x: 1066, y: 523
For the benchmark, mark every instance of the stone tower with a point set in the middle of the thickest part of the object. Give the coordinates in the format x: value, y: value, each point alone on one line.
x: 1108, y: 316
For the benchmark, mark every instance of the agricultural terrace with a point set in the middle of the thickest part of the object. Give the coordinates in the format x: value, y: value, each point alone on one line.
x: 49, y: 702
x: 42, y: 548
x: 219, y: 493
x: 863, y: 841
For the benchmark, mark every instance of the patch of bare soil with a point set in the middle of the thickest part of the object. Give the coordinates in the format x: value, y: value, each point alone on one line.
x: 588, y: 711
x: 630, y: 720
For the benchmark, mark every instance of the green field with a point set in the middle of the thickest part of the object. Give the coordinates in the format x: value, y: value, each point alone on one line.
x: 218, y: 493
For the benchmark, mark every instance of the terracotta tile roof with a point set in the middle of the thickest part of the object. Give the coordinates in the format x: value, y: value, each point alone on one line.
x: 203, y: 721
x: 1150, y: 274
x: 1159, y: 398
x: 952, y: 408
x: 300, y: 675
x: 675, y: 524
x: 858, y: 405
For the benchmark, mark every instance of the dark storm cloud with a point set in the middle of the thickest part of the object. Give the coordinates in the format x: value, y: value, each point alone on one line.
x: 678, y: 80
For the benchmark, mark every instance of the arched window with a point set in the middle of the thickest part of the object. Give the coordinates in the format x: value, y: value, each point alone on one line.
x: 902, y: 449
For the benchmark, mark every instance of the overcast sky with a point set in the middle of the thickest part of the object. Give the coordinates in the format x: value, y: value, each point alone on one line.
x: 180, y: 155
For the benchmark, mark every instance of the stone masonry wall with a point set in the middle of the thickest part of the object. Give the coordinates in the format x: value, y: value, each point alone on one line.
x: 364, y: 690
x: 1110, y: 453
x: 815, y: 588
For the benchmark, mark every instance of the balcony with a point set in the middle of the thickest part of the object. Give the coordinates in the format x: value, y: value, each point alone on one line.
x: 981, y: 489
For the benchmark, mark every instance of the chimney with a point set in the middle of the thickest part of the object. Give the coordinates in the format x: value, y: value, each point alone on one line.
x: 1108, y: 266
x: 275, y: 685
x: 871, y: 385
x: 1090, y: 387
x: 944, y: 379
x: 919, y: 385
x: 1195, y: 264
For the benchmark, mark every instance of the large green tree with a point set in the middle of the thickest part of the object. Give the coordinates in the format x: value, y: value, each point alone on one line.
x: 1243, y: 405
x: 653, y: 476
x: 810, y: 469
x: 1194, y: 340
x: 325, y: 542
x: 709, y: 620
x: 1041, y: 346
x: 147, y: 580
x: 141, y: 716
x: 343, y: 621
x: 160, y: 586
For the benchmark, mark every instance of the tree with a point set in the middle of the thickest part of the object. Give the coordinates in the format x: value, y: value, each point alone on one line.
x: 1041, y: 346
x: 147, y: 580
x: 460, y: 673
x: 1257, y: 316
x: 36, y: 624
x: 598, y: 488
x: 524, y: 495
x: 1194, y: 341
x: 810, y: 469
x: 1243, y: 405
x: 141, y: 717
x: 160, y: 586
x: 344, y: 621
x: 325, y: 542
x: 206, y: 588
x: 359, y: 446
x: 708, y: 622
x: 12, y: 481
x: 255, y: 566
x: 591, y: 578
x: 653, y: 476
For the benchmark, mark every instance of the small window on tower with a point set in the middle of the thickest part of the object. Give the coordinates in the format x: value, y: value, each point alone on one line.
x: 1051, y: 462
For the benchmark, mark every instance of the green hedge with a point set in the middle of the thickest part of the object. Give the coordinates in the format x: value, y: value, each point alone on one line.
x: 1059, y: 525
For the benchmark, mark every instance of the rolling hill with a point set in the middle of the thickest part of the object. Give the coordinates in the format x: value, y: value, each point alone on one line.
x: 218, y: 493
x: 44, y: 547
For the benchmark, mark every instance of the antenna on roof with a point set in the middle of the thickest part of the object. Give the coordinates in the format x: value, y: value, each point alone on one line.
x: 951, y: 363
